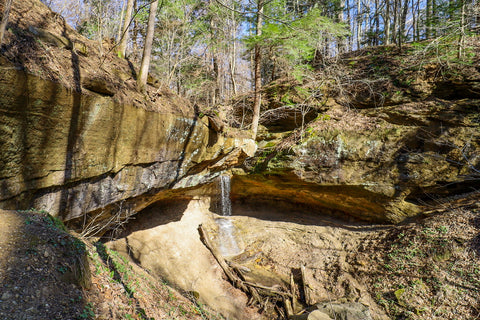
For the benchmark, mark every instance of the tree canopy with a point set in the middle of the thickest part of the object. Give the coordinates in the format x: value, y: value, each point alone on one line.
x: 210, y: 50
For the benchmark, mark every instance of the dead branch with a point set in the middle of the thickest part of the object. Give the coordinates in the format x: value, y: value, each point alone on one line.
x: 232, y: 276
x: 270, y: 291
x: 306, y: 292
x: 258, y: 293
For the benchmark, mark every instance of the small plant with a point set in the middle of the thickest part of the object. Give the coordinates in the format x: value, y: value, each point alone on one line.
x: 52, y: 221
x: 62, y: 269
x: 442, y: 229
x: 87, y: 312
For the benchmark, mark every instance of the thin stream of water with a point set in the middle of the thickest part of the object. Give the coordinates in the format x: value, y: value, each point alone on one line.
x: 227, y: 243
x: 225, y: 195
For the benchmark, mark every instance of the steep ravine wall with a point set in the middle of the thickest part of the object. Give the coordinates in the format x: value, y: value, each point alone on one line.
x: 377, y: 164
x: 72, y: 153
x: 383, y: 172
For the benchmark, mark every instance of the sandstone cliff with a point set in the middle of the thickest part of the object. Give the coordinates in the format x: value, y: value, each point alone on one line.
x: 394, y: 131
x: 75, y: 134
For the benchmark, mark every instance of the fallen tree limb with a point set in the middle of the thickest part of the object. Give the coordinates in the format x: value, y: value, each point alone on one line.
x: 257, y: 293
x: 271, y: 291
x: 232, y: 276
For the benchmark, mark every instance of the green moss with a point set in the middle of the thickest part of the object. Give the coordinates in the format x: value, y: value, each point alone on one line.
x: 54, y: 222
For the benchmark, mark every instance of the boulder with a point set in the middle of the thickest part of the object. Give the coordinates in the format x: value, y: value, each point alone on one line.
x: 314, y: 315
x: 345, y: 311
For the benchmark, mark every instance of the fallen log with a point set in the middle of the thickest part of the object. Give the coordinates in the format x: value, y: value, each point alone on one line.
x: 269, y: 291
x: 231, y: 275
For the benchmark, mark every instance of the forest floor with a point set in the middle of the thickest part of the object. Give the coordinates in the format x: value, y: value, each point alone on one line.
x: 422, y: 269
x: 429, y: 268
x: 47, y: 273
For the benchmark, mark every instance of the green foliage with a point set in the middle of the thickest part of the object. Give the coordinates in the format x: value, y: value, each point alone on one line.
x: 54, y: 222
x: 287, y: 100
x: 297, y: 41
x: 88, y: 312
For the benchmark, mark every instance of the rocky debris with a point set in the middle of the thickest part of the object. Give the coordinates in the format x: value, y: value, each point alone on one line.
x: 345, y: 311
x: 314, y: 315
x: 337, y: 311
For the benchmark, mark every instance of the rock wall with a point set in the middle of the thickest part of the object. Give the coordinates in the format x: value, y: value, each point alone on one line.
x: 376, y: 165
x: 370, y: 156
x: 77, y: 137
x: 72, y: 153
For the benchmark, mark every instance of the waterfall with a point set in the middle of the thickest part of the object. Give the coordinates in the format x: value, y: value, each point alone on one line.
x: 226, y: 204
x: 227, y: 244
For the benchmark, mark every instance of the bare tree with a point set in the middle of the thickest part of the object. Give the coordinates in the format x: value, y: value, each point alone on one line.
x: 122, y: 47
x: 386, y: 22
x: 461, y: 39
x: 258, y: 72
x: 147, y: 49
x: 3, y: 24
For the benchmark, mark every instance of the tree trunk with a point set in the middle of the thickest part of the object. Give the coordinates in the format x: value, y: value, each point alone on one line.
x: 147, y: 49
x: 3, y: 24
x: 377, y: 23
x: 119, y: 35
x: 122, y: 48
x: 428, y: 21
x: 135, y: 35
x: 414, y: 21
x: 341, y: 42
x: 232, y: 66
x: 350, y: 36
x: 258, y: 72
x: 359, y: 21
x: 395, y: 21
x: 100, y: 29
x: 216, y: 72
x: 403, y: 19
x: 461, y: 39
x: 233, y: 55
x: 386, y: 22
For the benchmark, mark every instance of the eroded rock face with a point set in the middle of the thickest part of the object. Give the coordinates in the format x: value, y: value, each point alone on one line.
x: 73, y: 153
x: 394, y: 129
x: 78, y: 138
x: 374, y: 164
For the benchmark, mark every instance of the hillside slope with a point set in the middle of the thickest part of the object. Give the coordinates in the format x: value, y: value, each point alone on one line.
x: 47, y: 273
